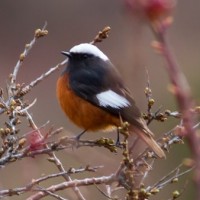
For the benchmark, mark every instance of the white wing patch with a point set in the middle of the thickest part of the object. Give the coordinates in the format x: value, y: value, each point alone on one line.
x: 112, y: 99
x: 90, y: 49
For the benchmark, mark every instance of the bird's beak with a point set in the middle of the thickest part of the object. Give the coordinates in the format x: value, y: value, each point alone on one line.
x: 66, y: 53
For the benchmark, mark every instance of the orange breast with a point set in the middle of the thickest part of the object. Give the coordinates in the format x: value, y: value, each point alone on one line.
x: 81, y: 112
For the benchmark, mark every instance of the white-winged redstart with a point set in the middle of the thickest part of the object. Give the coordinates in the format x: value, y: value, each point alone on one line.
x: 92, y: 94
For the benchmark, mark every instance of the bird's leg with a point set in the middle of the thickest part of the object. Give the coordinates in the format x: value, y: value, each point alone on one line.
x: 118, y: 138
x: 79, y: 135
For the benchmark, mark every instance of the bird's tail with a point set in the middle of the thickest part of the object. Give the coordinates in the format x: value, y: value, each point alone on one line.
x: 147, y: 136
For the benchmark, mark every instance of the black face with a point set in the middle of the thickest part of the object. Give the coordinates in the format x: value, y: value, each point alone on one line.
x: 86, y: 70
x: 79, y: 61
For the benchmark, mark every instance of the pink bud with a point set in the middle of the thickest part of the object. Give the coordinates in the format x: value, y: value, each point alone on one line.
x: 35, y: 141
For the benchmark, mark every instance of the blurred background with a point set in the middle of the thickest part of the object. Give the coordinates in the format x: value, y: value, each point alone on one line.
x: 128, y: 46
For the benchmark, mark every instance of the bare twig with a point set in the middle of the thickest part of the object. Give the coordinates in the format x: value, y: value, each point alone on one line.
x: 101, y: 35
x: 27, y: 49
x: 42, y: 77
x: 175, y: 173
x: 30, y: 186
x: 56, y: 196
x: 104, y: 194
x: 74, y: 183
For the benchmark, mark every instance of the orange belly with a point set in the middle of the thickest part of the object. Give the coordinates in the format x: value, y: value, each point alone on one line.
x: 81, y: 112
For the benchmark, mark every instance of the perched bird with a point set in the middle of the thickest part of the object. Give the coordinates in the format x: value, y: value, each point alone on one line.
x: 92, y: 94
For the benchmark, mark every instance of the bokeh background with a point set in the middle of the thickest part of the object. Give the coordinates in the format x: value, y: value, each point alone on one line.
x: 73, y: 22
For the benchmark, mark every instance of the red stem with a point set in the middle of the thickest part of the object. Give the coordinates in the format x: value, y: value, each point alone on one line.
x: 183, y: 95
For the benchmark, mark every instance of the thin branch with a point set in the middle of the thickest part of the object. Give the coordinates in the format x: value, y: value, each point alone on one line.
x: 34, y: 182
x: 27, y: 49
x: 28, y: 107
x: 42, y: 77
x: 61, y: 168
x: 169, y: 177
x: 56, y: 196
x: 101, y: 35
x: 74, y: 183
x: 104, y: 194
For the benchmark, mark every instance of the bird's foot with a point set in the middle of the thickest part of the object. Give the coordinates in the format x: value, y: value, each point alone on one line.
x: 77, y: 138
x: 118, y: 143
x: 79, y: 135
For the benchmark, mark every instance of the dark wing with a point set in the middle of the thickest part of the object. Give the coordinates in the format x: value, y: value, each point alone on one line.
x: 103, y: 87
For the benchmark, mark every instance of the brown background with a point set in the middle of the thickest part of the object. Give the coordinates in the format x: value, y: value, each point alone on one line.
x: 73, y: 22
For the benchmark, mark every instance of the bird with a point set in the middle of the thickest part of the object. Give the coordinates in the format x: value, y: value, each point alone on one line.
x: 92, y: 94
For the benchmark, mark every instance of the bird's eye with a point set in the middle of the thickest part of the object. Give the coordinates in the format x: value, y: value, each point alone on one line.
x: 85, y: 56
